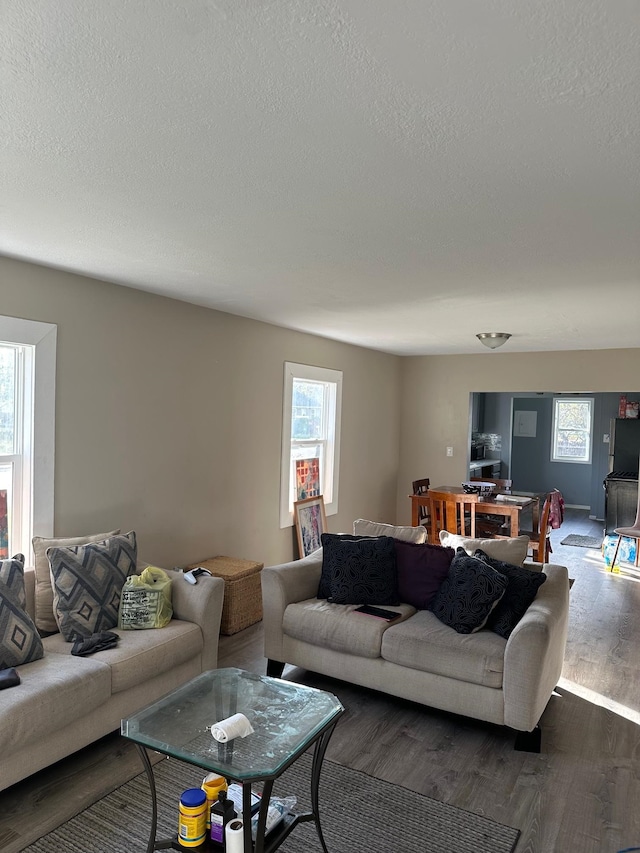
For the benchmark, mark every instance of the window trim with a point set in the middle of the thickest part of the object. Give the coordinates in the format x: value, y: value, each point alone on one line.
x: 293, y: 371
x: 564, y: 459
x: 39, y: 461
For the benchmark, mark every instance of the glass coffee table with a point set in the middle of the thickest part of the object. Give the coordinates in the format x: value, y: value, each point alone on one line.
x: 287, y: 719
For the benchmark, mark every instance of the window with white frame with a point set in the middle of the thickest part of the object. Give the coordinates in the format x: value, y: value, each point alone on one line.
x: 27, y: 429
x: 571, y: 439
x: 310, y: 436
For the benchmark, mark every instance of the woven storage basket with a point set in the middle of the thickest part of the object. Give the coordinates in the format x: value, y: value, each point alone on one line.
x: 242, y: 591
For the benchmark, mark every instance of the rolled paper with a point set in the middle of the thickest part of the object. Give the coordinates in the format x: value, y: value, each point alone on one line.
x: 236, y: 726
x: 234, y: 837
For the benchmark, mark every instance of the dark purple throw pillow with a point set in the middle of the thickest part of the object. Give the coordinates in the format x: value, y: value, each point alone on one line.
x: 421, y: 570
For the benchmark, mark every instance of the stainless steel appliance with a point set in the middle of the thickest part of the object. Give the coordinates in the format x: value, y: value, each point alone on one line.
x: 621, y: 484
x: 624, y: 445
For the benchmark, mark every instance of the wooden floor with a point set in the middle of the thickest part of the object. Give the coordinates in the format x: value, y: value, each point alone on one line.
x: 580, y: 795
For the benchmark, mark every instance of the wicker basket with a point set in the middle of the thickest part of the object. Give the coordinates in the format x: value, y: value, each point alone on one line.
x: 242, y: 591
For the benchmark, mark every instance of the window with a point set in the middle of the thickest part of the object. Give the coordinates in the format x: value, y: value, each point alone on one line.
x: 27, y: 386
x: 572, y: 429
x: 311, y: 434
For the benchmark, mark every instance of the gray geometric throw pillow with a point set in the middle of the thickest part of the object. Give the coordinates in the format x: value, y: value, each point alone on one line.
x: 19, y: 639
x: 87, y: 584
x: 12, y: 578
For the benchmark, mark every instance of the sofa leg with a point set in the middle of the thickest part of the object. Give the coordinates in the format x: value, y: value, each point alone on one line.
x: 274, y: 668
x: 529, y: 741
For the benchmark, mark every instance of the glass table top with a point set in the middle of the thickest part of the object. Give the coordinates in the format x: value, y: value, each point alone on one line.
x: 286, y: 718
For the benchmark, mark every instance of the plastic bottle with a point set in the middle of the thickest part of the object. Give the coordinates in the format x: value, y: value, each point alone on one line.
x: 193, y: 818
x: 221, y: 813
x: 212, y: 785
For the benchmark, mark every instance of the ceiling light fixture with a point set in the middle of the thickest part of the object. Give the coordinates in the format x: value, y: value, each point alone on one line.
x: 493, y: 340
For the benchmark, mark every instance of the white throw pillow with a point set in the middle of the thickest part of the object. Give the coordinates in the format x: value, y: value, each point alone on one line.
x: 362, y: 527
x: 512, y: 551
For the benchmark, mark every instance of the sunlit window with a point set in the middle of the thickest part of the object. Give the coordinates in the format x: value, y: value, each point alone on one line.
x: 572, y: 429
x: 310, y: 437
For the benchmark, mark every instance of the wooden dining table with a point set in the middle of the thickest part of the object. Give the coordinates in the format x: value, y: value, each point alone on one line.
x: 511, y: 505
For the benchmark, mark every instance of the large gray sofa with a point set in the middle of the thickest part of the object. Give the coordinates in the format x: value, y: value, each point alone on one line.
x: 65, y: 702
x: 480, y: 675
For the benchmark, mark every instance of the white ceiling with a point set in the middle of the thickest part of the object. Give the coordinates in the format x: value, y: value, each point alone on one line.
x: 399, y: 174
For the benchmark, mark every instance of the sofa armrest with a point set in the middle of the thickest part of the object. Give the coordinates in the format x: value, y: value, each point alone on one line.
x: 202, y: 604
x: 535, y: 652
x: 283, y: 585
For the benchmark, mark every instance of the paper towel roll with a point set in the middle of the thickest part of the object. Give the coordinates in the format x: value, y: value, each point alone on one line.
x: 236, y: 726
x: 234, y: 837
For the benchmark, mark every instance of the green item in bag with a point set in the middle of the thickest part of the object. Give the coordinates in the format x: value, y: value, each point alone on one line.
x: 146, y: 600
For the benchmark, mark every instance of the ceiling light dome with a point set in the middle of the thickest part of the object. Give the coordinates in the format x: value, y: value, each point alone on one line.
x: 493, y: 340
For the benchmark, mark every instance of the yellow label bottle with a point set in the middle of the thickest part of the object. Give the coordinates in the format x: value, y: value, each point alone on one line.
x: 192, y: 823
x: 212, y: 785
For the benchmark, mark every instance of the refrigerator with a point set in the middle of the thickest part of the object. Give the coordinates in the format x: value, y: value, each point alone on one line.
x: 621, y: 484
x: 624, y: 445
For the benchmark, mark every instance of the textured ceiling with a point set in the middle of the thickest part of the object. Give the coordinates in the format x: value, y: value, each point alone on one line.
x: 399, y: 174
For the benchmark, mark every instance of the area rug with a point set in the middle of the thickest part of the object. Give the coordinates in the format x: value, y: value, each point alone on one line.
x: 359, y: 814
x: 582, y: 541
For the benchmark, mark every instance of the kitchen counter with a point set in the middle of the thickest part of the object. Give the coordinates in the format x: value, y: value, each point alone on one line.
x: 484, y: 467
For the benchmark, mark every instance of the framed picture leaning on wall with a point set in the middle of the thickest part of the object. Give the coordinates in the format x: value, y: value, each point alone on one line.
x: 311, y: 523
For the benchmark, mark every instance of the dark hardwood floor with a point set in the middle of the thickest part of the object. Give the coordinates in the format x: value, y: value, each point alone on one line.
x: 579, y: 795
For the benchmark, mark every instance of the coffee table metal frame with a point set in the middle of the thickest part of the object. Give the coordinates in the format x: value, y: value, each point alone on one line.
x: 139, y: 728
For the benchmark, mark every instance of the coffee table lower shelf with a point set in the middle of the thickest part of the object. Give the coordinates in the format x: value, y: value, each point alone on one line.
x: 271, y: 843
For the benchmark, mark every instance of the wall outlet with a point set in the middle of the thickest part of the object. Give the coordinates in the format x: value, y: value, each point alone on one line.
x: 449, y: 451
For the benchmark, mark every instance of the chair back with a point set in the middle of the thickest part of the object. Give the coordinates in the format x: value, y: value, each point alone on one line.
x: 541, y: 545
x: 421, y: 487
x: 452, y: 511
x: 501, y: 485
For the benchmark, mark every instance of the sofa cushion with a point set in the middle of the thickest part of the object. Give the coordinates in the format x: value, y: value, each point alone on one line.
x: 337, y: 626
x: 512, y: 550
x: 19, y: 639
x: 88, y: 581
x: 468, y: 595
x: 361, y: 571
x: 54, y: 691
x: 44, y: 618
x: 141, y: 654
x: 421, y: 570
x: 362, y: 527
x: 426, y: 644
x: 522, y: 588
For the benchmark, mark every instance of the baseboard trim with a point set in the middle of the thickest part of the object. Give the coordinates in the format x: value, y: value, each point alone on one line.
x: 577, y: 506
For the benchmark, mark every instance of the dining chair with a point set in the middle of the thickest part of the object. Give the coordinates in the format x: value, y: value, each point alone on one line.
x: 540, y: 543
x: 501, y: 485
x: 451, y: 511
x: 421, y: 487
x: 632, y: 532
x: 491, y: 525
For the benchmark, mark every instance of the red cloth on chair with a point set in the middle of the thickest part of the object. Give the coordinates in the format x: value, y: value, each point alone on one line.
x: 556, y: 512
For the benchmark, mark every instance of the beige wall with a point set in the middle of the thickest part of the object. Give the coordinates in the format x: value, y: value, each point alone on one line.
x: 435, y: 395
x: 168, y: 419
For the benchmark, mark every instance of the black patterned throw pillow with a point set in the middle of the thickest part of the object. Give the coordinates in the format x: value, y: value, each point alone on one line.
x: 20, y: 642
x: 468, y: 594
x: 87, y: 584
x: 360, y: 571
x: 327, y: 540
x: 522, y: 588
